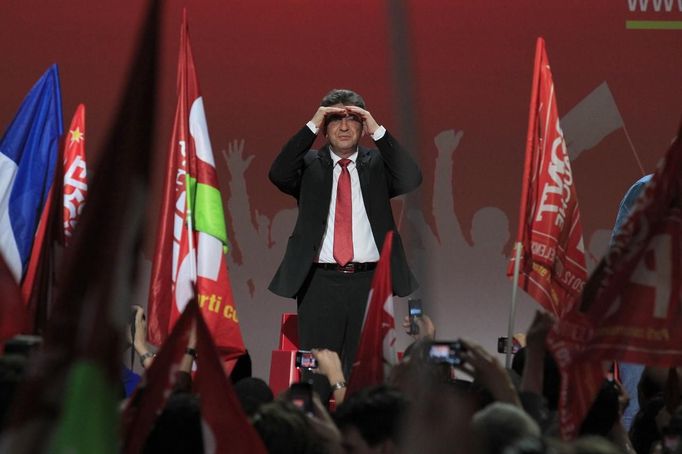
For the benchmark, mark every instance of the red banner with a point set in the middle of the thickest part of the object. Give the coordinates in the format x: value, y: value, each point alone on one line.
x: 75, y: 173
x: 224, y: 424
x: 189, y: 259
x: 552, y: 268
x: 376, y: 350
x: 631, y: 308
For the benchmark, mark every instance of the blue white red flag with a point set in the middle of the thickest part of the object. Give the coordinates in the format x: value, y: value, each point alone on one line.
x: 28, y: 154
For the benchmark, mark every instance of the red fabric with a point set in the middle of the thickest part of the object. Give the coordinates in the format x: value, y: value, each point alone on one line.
x: 224, y: 425
x: 552, y: 268
x: 376, y: 350
x: 631, y: 308
x: 36, y: 288
x: 75, y: 173
x: 176, y: 268
x: 343, y: 218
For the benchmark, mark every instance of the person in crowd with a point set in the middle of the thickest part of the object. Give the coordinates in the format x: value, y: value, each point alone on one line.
x: 371, y: 421
x: 500, y: 424
x: 252, y: 393
x: 630, y: 373
x: 343, y: 193
x: 177, y: 430
x: 287, y: 429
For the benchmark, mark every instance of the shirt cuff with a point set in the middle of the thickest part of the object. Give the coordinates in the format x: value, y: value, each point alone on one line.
x: 379, y: 133
x: 314, y: 128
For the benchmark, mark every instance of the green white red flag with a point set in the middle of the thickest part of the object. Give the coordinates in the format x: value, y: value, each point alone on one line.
x: 189, y: 259
x: 631, y: 305
x: 376, y: 350
x: 552, y: 267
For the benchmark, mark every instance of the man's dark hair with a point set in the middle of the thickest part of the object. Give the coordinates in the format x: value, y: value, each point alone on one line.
x: 285, y: 429
x: 342, y: 96
x: 376, y: 412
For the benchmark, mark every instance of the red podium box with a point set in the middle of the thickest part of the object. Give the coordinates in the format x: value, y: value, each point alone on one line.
x: 283, y: 371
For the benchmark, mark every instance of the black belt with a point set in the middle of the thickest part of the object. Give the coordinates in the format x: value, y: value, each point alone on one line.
x: 348, y: 268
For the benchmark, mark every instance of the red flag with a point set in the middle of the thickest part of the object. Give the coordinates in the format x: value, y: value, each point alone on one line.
x: 67, y: 402
x: 553, y: 260
x: 631, y: 307
x: 75, y: 173
x: 376, y: 351
x: 36, y: 288
x: 224, y: 424
x: 13, y: 316
x: 189, y: 259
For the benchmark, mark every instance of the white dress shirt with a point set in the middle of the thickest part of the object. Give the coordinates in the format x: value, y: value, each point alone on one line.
x: 364, y: 247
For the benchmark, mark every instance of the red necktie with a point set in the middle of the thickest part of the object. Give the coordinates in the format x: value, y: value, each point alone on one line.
x: 343, y: 218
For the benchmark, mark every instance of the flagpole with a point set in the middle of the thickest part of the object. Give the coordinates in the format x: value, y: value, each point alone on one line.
x: 518, y: 246
x: 530, y: 141
x: 189, y: 200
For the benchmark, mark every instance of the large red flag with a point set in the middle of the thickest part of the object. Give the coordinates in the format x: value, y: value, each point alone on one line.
x: 552, y: 268
x: 376, y: 351
x: 631, y: 307
x: 225, y: 426
x: 68, y: 400
x: 189, y: 259
x: 70, y: 184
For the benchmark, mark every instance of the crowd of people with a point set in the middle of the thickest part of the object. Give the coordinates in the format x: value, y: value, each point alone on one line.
x: 429, y: 403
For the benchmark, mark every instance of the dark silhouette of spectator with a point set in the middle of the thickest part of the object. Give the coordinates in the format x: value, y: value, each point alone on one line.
x: 500, y: 424
x: 372, y: 419
x: 252, y: 394
x: 287, y: 430
x: 177, y: 430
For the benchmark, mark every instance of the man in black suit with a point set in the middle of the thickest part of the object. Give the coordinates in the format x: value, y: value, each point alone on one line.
x: 343, y: 193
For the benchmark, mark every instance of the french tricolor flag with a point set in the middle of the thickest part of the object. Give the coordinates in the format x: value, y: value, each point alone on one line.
x: 28, y: 155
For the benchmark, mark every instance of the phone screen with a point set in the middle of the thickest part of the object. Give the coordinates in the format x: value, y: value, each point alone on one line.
x: 446, y: 352
x: 414, y: 309
x: 306, y: 360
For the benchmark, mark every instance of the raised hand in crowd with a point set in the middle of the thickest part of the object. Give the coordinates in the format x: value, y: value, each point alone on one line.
x: 329, y: 365
x: 488, y: 371
x: 427, y: 329
x: 140, y: 338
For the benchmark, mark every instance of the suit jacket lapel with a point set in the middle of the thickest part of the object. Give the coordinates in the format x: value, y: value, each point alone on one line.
x: 363, y: 173
x: 327, y: 170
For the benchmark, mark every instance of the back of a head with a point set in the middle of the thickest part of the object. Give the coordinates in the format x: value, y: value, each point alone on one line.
x: 417, y: 372
x: 500, y: 425
x: 284, y: 429
x: 644, y: 431
x: 342, y: 96
x: 252, y: 392
x: 178, y: 427
x: 604, y: 411
x: 377, y: 413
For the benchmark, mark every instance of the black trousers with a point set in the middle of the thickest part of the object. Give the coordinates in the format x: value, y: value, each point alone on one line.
x: 331, y: 309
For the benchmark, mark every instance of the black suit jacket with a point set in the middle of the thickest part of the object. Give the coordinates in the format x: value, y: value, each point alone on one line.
x: 307, y: 175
